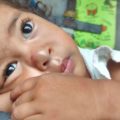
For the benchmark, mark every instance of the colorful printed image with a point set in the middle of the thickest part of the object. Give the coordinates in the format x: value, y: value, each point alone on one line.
x: 98, y: 12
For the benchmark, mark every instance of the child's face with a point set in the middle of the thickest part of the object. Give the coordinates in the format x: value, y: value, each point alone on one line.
x: 30, y: 46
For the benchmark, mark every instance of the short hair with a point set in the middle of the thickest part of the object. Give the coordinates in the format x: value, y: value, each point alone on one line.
x: 15, y: 3
x: 22, y: 5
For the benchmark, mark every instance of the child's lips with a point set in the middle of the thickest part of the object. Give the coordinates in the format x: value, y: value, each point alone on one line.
x: 67, y: 65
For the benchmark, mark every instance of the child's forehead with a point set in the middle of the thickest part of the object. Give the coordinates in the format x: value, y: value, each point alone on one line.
x: 7, y: 15
x: 6, y: 7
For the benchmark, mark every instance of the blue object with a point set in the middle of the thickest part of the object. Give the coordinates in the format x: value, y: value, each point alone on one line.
x: 71, y: 23
x: 5, y: 116
x: 32, y: 3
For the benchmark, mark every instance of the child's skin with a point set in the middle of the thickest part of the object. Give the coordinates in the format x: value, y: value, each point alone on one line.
x: 36, y: 52
x: 44, y: 49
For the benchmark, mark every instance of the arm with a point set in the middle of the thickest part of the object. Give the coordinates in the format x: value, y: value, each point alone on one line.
x: 66, y: 97
x: 107, y: 99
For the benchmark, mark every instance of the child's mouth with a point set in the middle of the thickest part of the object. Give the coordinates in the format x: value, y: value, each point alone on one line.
x: 67, y: 65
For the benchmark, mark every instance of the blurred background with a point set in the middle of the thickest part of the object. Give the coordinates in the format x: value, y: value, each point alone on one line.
x: 91, y: 23
x: 117, y: 45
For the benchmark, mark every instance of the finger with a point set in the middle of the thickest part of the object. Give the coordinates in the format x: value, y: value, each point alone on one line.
x: 35, y: 117
x: 23, y: 87
x: 24, y: 98
x: 24, y: 110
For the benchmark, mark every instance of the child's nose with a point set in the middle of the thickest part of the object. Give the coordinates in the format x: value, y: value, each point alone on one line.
x: 41, y: 59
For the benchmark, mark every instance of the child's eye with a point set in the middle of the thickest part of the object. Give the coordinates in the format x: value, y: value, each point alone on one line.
x: 27, y: 28
x: 10, y: 69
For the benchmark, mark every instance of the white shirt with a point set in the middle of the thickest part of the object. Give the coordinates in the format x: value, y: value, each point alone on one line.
x: 96, y: 61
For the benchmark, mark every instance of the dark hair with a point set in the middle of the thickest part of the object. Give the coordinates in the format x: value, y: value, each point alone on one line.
x: 15, y: 3
x: 23, y: 5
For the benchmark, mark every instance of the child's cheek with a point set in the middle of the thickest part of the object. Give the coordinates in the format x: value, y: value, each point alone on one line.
x: 5, y: 102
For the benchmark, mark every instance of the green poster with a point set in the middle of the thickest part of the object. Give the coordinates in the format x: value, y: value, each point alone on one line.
x: 98, y: 12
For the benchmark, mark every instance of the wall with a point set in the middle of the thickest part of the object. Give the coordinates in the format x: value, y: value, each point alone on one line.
x: 117, y: 46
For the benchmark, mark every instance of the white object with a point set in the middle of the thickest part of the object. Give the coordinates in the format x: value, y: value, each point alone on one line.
x: 96, y: 61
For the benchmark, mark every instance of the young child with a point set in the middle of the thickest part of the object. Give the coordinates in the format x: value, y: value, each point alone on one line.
x: 32, y: 48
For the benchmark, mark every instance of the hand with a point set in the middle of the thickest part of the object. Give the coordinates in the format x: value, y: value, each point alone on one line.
x: 53, y: 97
x: 64, y: 97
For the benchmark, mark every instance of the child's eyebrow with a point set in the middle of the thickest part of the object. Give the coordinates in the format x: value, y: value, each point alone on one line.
x: 13, y: 21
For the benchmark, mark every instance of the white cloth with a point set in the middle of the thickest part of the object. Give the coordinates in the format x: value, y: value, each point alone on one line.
x: 96, y: 61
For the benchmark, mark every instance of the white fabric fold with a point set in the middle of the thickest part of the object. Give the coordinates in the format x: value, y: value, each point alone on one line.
x: 96, y: 61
